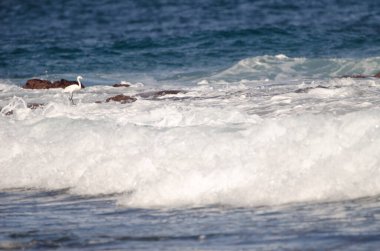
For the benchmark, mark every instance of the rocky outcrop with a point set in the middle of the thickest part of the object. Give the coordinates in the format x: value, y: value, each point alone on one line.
x: 34, y: 106
x: 46, y: 84
x: 377, y: 75
x: 123, y: 99
x: 37, y: 84
x: 309, y: 88
x: 156, y: 94
x: 121, y: 85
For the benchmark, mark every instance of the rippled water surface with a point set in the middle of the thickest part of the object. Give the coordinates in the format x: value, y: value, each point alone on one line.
x: 35, y: 220
x: 167, y: 39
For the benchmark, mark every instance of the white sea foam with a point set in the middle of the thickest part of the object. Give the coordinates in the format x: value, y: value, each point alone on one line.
x: 281, y: 67
x: 237, y: 142
x: 263, y: 161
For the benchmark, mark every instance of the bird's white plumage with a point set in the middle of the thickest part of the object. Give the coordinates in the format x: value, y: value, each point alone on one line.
x: 73, y: 88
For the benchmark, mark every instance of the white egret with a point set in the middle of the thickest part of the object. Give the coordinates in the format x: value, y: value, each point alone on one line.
x: 73, y: 88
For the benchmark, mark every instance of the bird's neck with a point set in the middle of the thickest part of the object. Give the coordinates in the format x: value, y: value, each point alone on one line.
x: 80, y: 84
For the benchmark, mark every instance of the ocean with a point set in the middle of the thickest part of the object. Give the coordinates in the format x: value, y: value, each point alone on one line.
x: 249, y: 125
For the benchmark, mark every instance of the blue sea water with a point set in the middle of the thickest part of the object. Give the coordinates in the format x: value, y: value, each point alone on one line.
x: 170, y: 39
x: 266, y: 148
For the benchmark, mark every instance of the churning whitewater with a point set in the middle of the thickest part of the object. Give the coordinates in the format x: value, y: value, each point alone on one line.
x: 223, y: 140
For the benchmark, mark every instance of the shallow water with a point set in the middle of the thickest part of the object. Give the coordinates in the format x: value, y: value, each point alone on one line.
x: 266, y: 145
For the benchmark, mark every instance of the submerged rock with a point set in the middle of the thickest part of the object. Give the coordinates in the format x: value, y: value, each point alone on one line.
x: 34, y: 106
x: 121, y: 85
x: 129, y: 99
x: 123, y: 99
x: 156, y: 94
x: 355, y: 76
x: 5, y: 113
x: 309, y: 88
x: 377, y: 75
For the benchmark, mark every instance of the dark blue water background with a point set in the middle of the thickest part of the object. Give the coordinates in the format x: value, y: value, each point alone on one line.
x: 170, y: 39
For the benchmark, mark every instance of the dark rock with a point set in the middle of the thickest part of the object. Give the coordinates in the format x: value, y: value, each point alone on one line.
x: 34, y: 106
x: 355, y: 76
x: 307, y: 89
x: 122, y: 99
x: 377, y: 75
x: 167, y: 92
x: 98, y: 102
x: 121, y: 85
x: 303, y: 90
x: 156, y: 94
x: 46, y: 84
x: 7, y: 113
x: 37, y: 84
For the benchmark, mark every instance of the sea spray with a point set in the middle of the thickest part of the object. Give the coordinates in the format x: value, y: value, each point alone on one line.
x: 270, y: 161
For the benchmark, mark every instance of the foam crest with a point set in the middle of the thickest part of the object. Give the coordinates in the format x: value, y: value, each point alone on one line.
x: 7, y: 86
x: 278, y: 161
x: 15, y: 103
x: 281, y: 67
x: 271, y: 161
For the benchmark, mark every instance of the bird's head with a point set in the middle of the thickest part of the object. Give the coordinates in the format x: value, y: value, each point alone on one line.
x: 79, y: 77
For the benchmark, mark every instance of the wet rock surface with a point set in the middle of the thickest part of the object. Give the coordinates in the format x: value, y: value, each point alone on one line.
x: 356, y: 76
x: 309, y: 88
x: 37, y: 84
x: 7, y: 113
x: 121, y: 85
x: 377, y: 75
x: 34, y: 106
x: 46, y: 84
x: 156, y: 94
x: 123, y: 99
